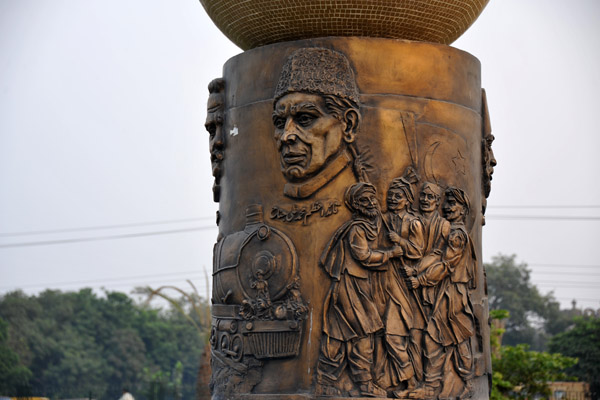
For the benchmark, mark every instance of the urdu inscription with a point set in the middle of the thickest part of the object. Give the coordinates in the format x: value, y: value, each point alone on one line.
x: 296, y: 213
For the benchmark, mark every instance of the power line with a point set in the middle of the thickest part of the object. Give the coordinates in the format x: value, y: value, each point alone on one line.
x: 69, y: 283
x: 578, y: 298
x: 174, y: 221
x: 134, y: 284
x: 103, y: 227
x: 562, y: 265
x: 543, y: 206
x: 168, y: 274
x: 544, y: 217
x: 567, y: 282
x: 108, y: 237
x: 568, y: 273
x: 568, y: 285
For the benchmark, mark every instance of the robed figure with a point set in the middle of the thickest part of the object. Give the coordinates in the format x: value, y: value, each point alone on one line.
x: 399, y: 353
x: 452, y: 323
x: 351, y: 318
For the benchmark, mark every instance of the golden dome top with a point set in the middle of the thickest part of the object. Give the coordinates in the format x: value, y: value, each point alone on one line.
x: 253, y: 23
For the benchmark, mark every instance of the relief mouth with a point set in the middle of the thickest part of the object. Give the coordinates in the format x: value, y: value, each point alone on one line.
x: 216, y: 156
x: 294, y: 158
x: 426, y: 206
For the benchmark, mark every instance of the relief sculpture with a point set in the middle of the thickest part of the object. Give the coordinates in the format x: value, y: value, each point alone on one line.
x: 488, y: 160
x: 214, y: 125
x: 257, y: 306
x: 316, y: 116
x: 398, y: 321
x: 302, y: 213
x: 399, y: 351
x: 351, y: 318
x: 361, y: 276
x: 447, y: 275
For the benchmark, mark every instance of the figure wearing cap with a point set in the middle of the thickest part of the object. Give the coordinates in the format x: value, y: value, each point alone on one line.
x: 436, y: 230
x: 404, y: 320
x: 451, y: 323
x: 316, y: 115
x: 351, y: 318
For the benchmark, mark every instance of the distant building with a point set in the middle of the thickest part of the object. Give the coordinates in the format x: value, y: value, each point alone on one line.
x: 24, y: 398
x: 570, y: 390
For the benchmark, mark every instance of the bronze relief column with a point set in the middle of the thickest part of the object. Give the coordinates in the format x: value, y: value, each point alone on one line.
x: 351, y: 175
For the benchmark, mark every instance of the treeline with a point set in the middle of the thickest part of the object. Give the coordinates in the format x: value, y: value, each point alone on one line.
x: 541, y: 342
x: 80, y: 345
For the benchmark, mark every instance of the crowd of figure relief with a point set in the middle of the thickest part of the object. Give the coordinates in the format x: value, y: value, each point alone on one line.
x: 397, y: 319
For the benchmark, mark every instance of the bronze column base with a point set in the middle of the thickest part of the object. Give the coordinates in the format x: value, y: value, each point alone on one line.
x: 350, y: 178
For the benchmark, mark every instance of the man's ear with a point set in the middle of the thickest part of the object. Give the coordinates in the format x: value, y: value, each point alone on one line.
x: 351, y: 120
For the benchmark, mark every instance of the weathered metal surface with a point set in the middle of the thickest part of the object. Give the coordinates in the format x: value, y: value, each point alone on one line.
x: 348, y: 262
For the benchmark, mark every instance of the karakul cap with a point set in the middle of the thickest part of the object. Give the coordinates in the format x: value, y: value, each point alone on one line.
x: 317, y: 70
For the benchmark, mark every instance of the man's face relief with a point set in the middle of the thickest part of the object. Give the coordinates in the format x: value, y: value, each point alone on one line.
x: 428, y: 200
x: 214, y: 126
x: 490, y: 159
x: 366, y: 203
x: 307, y: 135
x: 396, y: 199
x: 453, y: 210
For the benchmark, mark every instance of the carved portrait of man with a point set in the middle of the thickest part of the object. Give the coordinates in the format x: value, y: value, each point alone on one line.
x: 316, y: 115
x: 403, y: 315
x: 214, y: 125
x: 351, y: 319
x: 488, y: 160
x: 451, y: 322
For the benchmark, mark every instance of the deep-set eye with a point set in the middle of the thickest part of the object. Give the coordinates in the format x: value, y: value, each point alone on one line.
x: 279, y: 122
x: 304, y: 119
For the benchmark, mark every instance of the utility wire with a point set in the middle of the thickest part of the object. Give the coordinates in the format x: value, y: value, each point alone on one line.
x: 134, y: 284
x: 544, y: 217
x: 169, y: 274
x: 182, y: 220
x: 103, y: 227
x: 568, y: 273
x: 108, y: 237
x: 191, y: 272
x: 175, y: 221
x: 138, y: 283
x: 568, y: 285
x: 562, y: 265
x: 578, y: 299
x: 123, y: 284
x: 542, y: 206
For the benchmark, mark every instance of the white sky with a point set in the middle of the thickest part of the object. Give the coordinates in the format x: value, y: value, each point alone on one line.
x: 102, y: 107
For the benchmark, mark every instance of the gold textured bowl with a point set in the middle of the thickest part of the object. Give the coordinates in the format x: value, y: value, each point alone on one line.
x: 253, y: 23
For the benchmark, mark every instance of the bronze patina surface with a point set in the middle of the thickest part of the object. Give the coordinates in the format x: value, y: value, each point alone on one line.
x: 352, y: 175
x: 254, y: 23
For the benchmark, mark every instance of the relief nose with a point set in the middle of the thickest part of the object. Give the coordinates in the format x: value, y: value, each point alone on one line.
x: 290, y: 131
x: 217, y: 141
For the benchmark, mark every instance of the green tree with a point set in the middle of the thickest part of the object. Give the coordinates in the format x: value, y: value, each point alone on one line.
x: 499, y: 384
x: 533, y: 317
x: 196, y: 311
x: 583, y: 342
x: 530, y: 371
x: 14, y: 377
x: 77, y: 343
x: 520, y: 373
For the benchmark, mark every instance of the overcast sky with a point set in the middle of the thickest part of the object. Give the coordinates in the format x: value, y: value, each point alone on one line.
x: 104, y: 166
